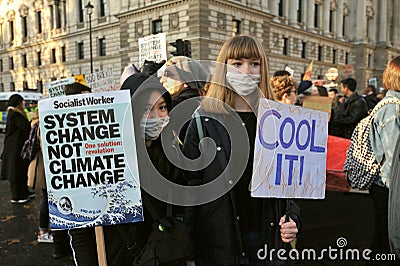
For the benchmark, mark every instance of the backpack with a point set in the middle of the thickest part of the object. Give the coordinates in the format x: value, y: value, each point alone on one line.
x: 361, y: 167
x: 31, y: 145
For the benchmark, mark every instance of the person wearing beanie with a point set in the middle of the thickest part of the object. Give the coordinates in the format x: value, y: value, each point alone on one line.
x: 184, y: 78
x: 14, y: 168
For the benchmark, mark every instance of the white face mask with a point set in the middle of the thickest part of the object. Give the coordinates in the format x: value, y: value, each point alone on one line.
x: 153, y: 126
x: 243, y: 84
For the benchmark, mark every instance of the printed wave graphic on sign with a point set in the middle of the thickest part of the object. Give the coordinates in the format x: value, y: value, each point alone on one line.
x: 118, y: 209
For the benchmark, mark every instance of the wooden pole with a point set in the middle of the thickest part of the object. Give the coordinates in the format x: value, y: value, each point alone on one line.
x: 101, y: 247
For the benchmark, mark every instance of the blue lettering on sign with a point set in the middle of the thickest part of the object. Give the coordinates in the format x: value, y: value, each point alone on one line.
x: 294, y: 132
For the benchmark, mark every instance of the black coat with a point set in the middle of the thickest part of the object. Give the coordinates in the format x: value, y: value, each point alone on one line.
x: 347, y: 118
x: 217, y: 229
x: 17, y: 131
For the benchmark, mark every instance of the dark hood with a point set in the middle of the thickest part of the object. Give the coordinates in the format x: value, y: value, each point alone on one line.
x: 141, y: 86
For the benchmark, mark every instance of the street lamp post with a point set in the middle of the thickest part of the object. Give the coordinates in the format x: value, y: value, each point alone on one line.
x: 89, y: 9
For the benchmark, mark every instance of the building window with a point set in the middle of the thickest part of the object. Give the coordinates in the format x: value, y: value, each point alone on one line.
x: 11, y: 30
x: 369, y: 60
x: 81, y: 10
x: 346, y: 60
x: 2, y: 87
x: 12, y: 86
x: 285, y: 46
x: 303, y: 49
x: 25, y: 85
x: 51, y: 17
x: 299, y: 3
x: 157, y: 26
x: 102, y: 47
x: 24, y: 61
x: 235, y: 27
x: 316, y: 15
x: 103, y: 5
x: 1, y: 65
x: 11, y: 62
x: 53, y: 59
x: 58, y: 14
x: 334, y: 56
x: 319, y: 53
x: 344, y: 26
x: 39, y: 21
x: 63, y: 54
x: 331, y: 20
x: 39, y: 85
x: 81, y: 52
x: 24, y: 21
x: 280, y: 8
x: 39, y: 58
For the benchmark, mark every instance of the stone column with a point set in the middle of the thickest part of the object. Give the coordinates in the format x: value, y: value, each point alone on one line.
x: 292, y: 12
x: 339, y: 19
x: 310, y: 15
x: 383, y: 19
x: 273, y: 6
x: 325, y: 17
x: 396, y: 22
x: 361, y: 21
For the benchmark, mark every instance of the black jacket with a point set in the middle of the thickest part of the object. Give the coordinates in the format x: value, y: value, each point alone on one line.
x: 217, y: 228
x: 347, y: 118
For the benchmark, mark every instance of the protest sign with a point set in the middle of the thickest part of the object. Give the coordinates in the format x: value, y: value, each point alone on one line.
x: 290, y: 152
x: 56, y: 87
x: 90, y: 157
x: 102, y: 80
x: 320, y: 103
x: 152, y: 48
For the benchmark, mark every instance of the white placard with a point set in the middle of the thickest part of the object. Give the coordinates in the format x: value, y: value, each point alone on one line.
x: 290, y: 152
x: 152, y: 48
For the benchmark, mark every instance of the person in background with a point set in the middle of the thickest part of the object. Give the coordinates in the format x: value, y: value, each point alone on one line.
x: 319, y: 91
x: 184, y: 78
x: 336, y: 105
x: 14, y: 168
x: 354, y: 109
x: 284, y: 88
x: 385, y: 128
x: 370, y: 95
x: 128, y: 71
x: 232, y: 228
x: 37, y: 180
x: 303, y: 90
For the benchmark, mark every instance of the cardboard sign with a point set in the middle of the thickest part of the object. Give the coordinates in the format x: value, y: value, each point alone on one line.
x: 152, y: 48
x: 90, y: 160
x: 101, y: 81
x: 290, y: 152
x: 320, y: 103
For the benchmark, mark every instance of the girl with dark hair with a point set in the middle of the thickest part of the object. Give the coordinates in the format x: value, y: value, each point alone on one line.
x: 14, y: 168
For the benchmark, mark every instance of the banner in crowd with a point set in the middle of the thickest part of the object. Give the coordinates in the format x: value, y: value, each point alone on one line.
x: 346, y: 71
x: 102, y: 80
x: 152, y: 48
x: 90, y: 157
x: 56, y: 87
x: 290, y: 152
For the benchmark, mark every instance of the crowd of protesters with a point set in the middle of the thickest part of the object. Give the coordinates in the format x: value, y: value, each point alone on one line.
x: 229, y: 95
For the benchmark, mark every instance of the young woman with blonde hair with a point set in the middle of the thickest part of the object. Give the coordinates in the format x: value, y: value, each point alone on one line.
x: 230, y: 226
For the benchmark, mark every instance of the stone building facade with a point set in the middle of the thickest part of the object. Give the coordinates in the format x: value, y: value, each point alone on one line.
x: 45, y: 40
